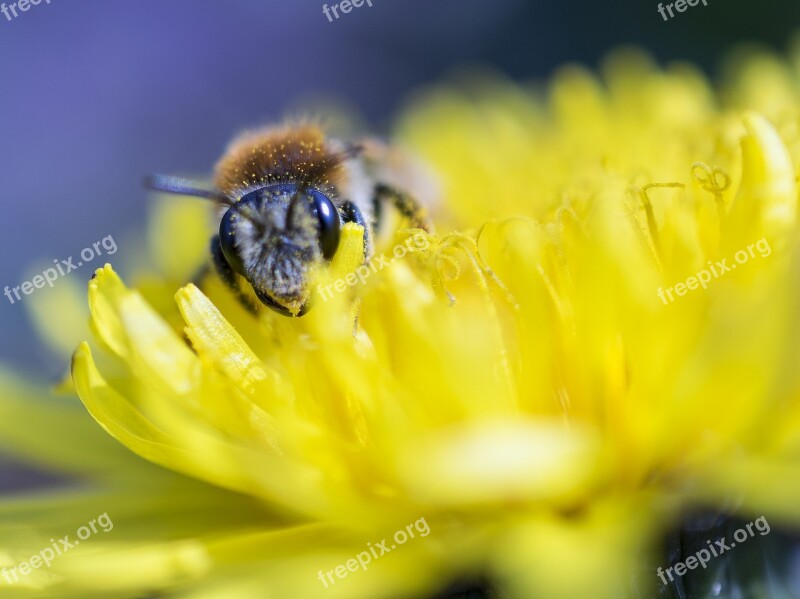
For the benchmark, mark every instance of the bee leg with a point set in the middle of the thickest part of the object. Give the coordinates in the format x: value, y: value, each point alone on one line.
x: 377, y: 212
x: 352, y: 214
x: 405, y: 204
x: 201, y: 274
x: 228, y: 276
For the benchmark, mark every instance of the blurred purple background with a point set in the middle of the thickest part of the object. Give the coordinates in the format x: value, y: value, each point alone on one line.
x: 95, y: 94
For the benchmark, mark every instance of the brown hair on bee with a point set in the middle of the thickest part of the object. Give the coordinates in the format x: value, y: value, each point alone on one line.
x: 282, y: 154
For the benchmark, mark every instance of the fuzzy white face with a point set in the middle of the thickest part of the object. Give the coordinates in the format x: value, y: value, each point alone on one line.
x: 274, y: 236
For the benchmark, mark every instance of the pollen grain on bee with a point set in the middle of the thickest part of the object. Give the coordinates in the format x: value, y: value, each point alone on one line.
x: 416, y: 243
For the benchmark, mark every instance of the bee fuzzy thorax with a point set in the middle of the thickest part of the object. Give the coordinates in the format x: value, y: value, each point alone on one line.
x: 282, y: 154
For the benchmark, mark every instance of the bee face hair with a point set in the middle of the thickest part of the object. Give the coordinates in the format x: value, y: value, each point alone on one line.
x: 274, y: 235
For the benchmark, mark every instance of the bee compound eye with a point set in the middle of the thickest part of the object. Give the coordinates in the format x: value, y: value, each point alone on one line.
x: 227, y: 239
x: 329, y: 224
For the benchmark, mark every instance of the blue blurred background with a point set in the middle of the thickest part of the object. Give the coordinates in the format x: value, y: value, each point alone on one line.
x: 97, y: 93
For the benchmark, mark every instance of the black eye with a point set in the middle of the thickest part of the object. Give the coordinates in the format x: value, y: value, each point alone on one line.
x: 227, y: 239
x: 329, y: 226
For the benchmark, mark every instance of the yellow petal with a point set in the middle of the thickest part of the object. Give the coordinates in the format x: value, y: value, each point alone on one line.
x: 766, y: 201
x: 60, y: 315
x: 213, y: 337
x: 134, y: 331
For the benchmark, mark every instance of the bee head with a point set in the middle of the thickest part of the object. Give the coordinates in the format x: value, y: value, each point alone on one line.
x: 273, y: 236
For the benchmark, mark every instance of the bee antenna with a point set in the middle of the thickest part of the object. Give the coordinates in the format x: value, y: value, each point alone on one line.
x: 186, y: 187
x: 353, y: 149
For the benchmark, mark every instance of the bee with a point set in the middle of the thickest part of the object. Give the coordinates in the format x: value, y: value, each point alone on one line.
x: 284, y: 193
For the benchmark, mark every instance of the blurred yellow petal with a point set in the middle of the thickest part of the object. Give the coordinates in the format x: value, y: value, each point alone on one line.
x: 192, y: 218
x: 60, y: 315
x: 58, y: 421
x: 501, y: 462
x: 766, y: 202
x: 595, y: 554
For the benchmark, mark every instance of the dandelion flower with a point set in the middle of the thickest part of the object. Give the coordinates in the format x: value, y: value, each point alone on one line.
x: 522, y: 384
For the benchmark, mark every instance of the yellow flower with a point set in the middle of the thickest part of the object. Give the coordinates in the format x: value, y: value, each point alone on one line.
x: 547, y: 391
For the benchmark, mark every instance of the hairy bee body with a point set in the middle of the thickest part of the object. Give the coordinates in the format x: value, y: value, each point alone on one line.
x: 284, y: 192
